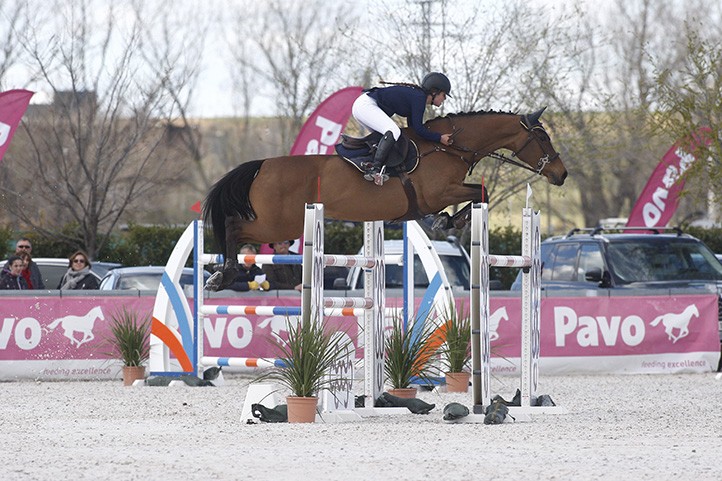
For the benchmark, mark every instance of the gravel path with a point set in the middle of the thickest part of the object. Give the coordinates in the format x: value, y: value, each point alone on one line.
x: 656, y: 427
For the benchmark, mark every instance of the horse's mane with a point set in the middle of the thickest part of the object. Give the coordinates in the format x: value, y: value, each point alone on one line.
x: 468, y: 114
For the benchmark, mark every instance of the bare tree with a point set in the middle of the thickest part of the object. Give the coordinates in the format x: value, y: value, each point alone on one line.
x: 101, y: 147
x: 291, y: 50
x: 12, y: 20
x: 690, y: 99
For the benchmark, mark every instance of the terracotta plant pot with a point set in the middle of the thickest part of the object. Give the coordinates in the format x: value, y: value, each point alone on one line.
x: 132, y: 373
x: 301, y: 409
x: 457, y: 381
x: 403, y: 392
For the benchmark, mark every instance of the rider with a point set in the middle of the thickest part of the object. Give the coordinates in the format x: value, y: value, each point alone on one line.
x: 374, y: 108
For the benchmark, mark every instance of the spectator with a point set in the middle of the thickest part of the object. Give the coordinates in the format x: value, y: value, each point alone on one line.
x: 246, y: 278
x: 27, y: 259
x: 78, y: 275
x: 12, y: 276
x: 36, y: 280
x: 283, y: 276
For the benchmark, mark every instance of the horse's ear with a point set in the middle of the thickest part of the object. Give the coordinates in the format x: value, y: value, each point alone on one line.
x: 530, y: 120
x: 535, y: 116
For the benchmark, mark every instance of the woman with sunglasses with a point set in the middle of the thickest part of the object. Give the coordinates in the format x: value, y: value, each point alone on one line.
x: 78, y: 275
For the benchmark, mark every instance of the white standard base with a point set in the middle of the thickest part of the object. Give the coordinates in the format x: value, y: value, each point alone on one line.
x: 369, y: 412
x: 259, y: 393
x: 338, y: 417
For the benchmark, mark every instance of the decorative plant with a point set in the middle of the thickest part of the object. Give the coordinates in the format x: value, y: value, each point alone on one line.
x: 408, y: 352
x: 308, y: 356
x: 130, y: 336
x: 456, y: 350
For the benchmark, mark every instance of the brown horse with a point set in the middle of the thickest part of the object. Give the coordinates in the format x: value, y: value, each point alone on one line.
x: 263, y: 201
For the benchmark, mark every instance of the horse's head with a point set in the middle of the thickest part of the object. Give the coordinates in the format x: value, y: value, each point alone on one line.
x: 534, y: 147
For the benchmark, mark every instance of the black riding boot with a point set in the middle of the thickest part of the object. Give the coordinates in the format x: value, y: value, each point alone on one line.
x: 377, y: 171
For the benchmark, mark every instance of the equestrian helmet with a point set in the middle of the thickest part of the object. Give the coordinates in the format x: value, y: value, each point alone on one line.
x: 438, y: 81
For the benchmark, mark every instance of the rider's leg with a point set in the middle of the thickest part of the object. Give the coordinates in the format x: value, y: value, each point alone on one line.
x: 369, y: 115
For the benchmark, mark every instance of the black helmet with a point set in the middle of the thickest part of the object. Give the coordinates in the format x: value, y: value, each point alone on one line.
x: 438, y: 81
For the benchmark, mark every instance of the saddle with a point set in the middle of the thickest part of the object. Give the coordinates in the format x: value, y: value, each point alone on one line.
x: 404, y: 158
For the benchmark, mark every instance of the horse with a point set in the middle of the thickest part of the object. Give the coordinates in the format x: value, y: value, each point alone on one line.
x: 263, y: 201
x: 82, y: 324
x: 677, y: 321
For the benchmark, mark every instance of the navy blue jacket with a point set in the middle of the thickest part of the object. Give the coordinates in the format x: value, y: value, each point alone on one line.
x: 240, y: 283
x: 406, y: 102
x: 9, y: 281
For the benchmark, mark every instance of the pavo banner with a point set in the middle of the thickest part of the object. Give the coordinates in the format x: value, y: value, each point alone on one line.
x: 321, y: 132
x: 658, y: 201
x: 13, y: 105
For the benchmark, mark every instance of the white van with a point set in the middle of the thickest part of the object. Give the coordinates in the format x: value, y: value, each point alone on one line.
x: 453, y: 257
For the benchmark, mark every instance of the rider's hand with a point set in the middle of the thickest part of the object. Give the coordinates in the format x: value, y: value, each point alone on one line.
x: 253, y: 285
x: 446, y: 139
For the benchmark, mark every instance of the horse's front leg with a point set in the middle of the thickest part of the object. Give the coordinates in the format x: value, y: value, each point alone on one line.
x: 472, y: 192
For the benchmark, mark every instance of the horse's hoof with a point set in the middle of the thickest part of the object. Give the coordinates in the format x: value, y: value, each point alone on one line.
x: 214, y: 282
x: 441, y: 222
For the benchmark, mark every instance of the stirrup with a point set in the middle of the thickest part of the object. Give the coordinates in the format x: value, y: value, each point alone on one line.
x: 381, y: 176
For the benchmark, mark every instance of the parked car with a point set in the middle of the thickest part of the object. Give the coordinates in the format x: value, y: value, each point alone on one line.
x: 52, y: 269
x: 453, y: 257
x: 592, y: 259
x: 583, y: 260
x: 144, y: 278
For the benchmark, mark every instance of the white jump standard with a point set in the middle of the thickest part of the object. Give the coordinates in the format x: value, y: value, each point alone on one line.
x: 530, y: 262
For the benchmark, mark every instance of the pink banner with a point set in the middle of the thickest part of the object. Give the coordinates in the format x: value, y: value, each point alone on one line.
x: 321, y: 132
x: 66, y: 338
x: 659, y: 199
x: 13, y: 104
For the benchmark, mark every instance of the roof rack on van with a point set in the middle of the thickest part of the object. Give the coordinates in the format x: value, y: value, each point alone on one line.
x: 653, y: 230
x: 577, y: 230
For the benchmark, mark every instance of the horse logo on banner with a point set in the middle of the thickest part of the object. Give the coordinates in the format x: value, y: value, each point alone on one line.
x: 680, y: 322
x: 82, y: 324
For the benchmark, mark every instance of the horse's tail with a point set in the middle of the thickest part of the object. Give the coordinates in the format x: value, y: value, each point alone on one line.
x: 656, y: 321
x: 229, y: 197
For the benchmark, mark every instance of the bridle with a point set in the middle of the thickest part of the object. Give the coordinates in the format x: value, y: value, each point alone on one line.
x: 535, y: 135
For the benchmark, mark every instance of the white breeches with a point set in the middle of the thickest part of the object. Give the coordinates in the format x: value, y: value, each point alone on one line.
x: 369, y: 115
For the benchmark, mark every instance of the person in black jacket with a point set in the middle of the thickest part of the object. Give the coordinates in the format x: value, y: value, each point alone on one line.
x: 283, y: 276
x: 12, y: 276
x: 78, y: 275
x: 249, y: 273
x: 36, y: 279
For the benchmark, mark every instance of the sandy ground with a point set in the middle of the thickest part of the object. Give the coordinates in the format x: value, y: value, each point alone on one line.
x: 656, y: 427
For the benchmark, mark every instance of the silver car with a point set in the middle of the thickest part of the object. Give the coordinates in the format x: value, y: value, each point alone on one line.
x: 143, y: 278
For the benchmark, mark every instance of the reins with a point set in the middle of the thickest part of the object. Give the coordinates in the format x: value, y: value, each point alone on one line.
x: 473, y: 160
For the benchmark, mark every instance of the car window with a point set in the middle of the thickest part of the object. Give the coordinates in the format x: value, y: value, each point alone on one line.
x: 655, y: 261
x: 562, y: 263
x: 590, y: 258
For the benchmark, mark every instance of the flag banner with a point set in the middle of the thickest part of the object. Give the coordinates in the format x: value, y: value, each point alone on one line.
x: 659, y: 199
x: 321, y: 132
x: 13, y: 105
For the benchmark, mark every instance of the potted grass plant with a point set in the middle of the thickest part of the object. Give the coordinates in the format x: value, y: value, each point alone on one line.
x: 307, y: 357
x: 456, y: 350
x: 408, y: 353
x: 130, y: 342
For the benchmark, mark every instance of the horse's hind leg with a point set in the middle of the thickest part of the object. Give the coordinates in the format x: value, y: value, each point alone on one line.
x: 223, y: 278
x: 230, y: 262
